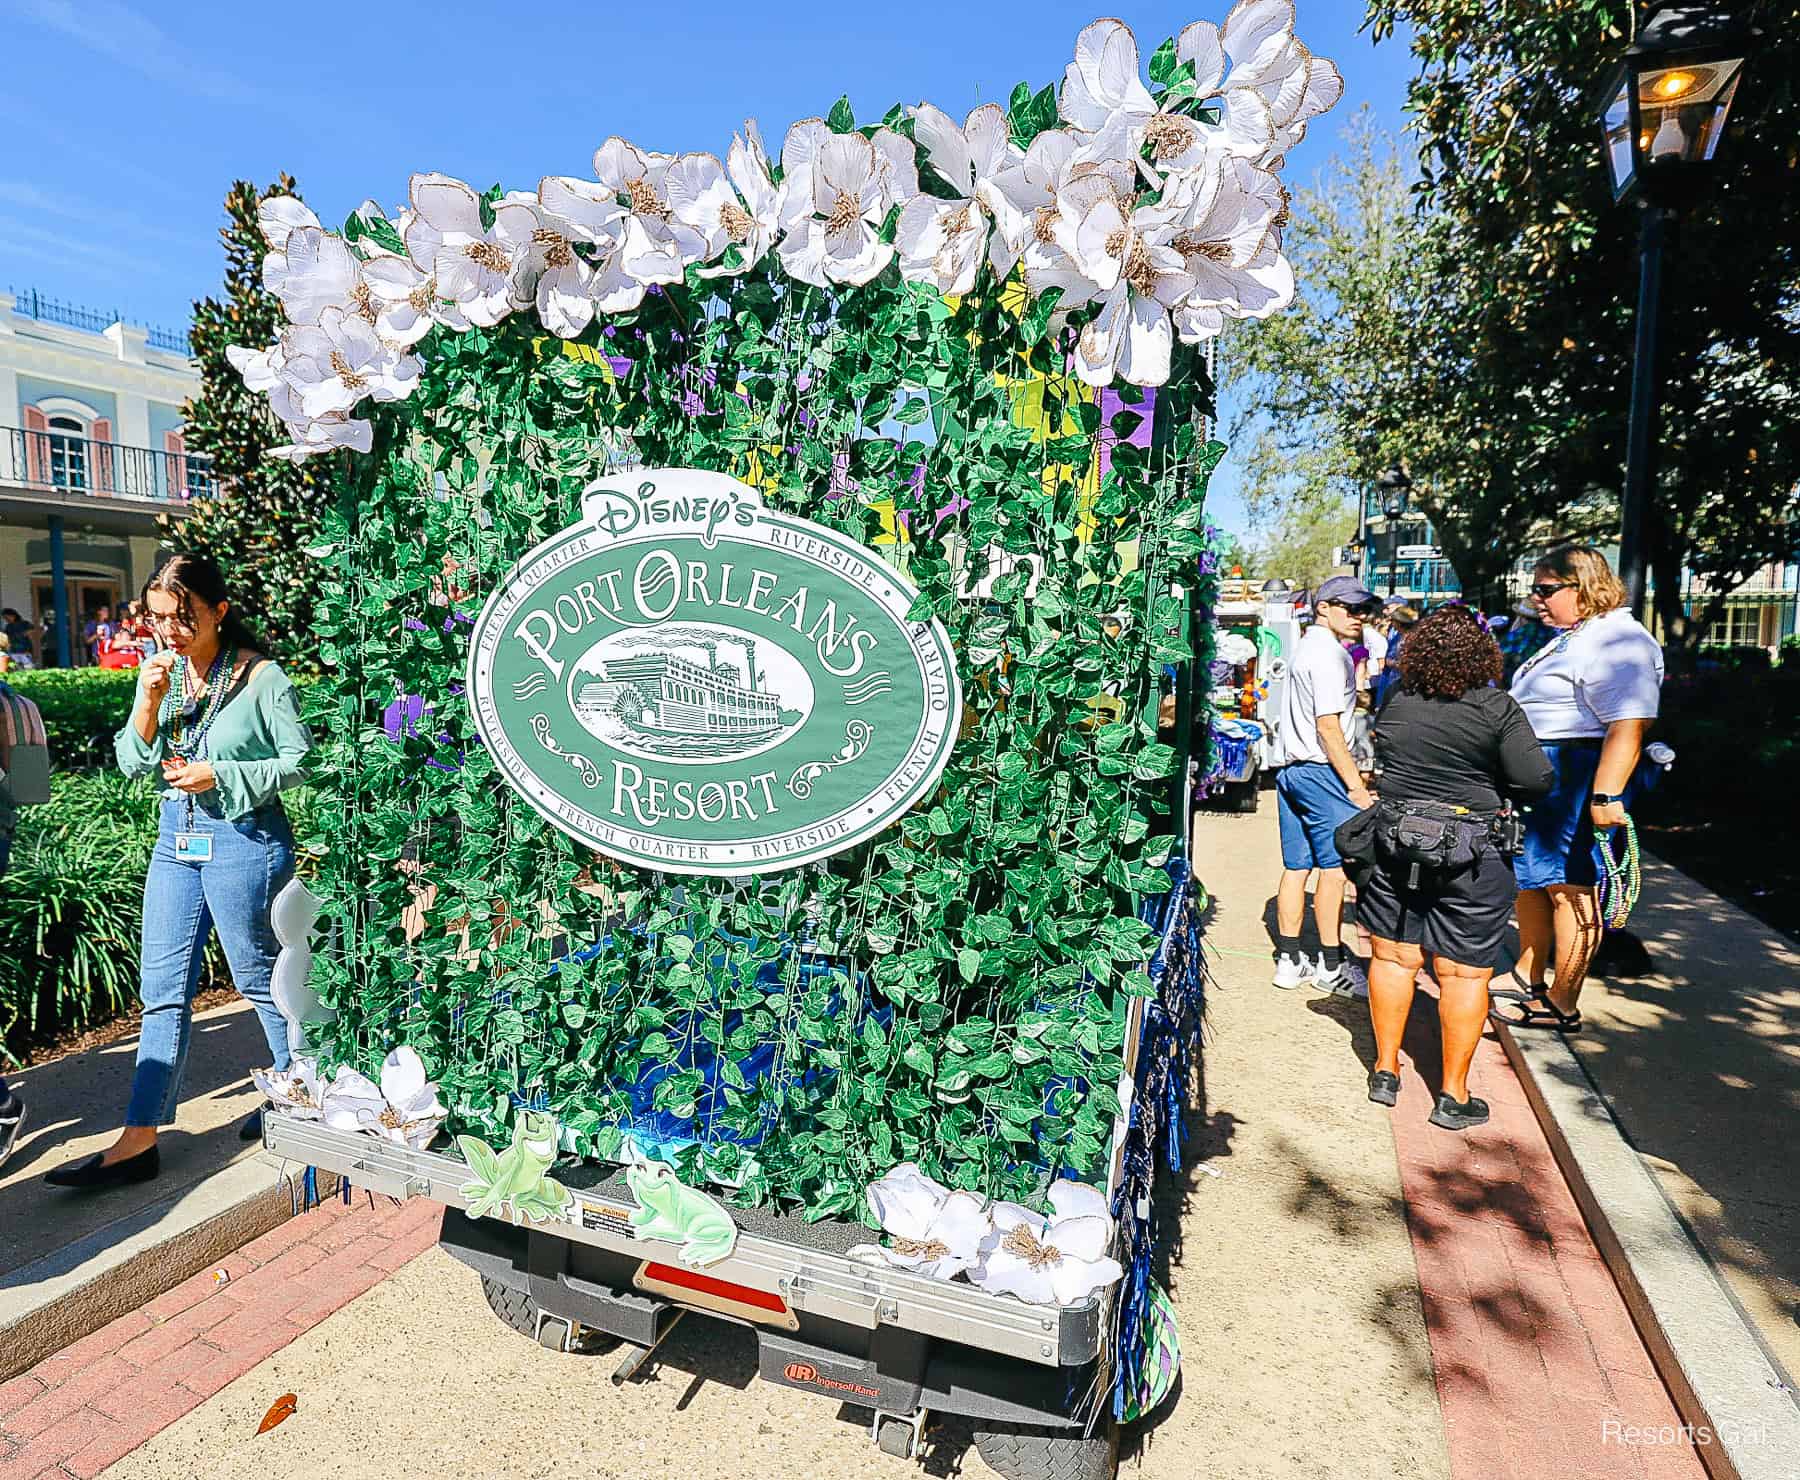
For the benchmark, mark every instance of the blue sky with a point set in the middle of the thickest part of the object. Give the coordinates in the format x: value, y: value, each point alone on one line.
x: 125, y: 122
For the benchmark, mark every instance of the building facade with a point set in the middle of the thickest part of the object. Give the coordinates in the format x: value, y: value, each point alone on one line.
x: 92, y: 451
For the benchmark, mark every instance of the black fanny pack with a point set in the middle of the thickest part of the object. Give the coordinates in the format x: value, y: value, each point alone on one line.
x: 1436, y: 838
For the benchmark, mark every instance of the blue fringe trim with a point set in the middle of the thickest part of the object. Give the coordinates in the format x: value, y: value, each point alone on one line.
x: 1168, y: 1048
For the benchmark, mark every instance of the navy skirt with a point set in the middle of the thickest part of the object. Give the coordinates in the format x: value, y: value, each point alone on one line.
x: 1559, y: 833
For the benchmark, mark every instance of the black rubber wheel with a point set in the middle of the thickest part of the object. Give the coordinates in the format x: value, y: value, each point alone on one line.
x: 514, y: 1307
x: 1020, y: 1452
x: 896, y: 1438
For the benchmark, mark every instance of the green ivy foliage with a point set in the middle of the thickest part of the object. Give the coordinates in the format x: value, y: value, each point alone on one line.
x: 954, y: 992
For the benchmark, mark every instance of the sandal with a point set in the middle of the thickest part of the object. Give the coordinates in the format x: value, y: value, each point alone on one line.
x: 1519, y: 990
x: 1541, y: 1012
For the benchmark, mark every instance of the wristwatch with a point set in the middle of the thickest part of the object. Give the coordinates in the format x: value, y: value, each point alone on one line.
x: 1604, y: 799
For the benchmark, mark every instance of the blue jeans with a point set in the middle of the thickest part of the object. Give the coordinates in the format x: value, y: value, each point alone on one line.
x: 252, y: 860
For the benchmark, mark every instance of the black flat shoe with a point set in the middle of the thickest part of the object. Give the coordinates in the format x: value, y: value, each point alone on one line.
x: 1454, y: 1117
x: 1384, y: 1088
x: 92, y: 1176
x: 251, y: 1129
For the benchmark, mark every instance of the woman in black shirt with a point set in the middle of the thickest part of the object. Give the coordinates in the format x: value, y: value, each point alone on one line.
x: 1447, y: 736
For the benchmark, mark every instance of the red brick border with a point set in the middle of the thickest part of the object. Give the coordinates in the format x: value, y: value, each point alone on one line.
x: 98, y: 1399
x: 1539, y: 1368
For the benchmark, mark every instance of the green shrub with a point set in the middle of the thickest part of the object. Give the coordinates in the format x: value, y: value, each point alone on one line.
x: 83, y: 709
x: 71, y: 906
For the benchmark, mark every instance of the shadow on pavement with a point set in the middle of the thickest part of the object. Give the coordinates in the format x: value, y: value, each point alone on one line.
x: 75, y: 1106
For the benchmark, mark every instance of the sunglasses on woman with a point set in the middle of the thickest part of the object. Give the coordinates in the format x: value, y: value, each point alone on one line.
x: 1544, y: 590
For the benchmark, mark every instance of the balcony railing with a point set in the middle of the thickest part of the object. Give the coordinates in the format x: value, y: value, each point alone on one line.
x: 32, y: 304
x: 59, y: 462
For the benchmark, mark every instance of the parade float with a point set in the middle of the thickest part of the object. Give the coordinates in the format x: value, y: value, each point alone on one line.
x: 765, y: 641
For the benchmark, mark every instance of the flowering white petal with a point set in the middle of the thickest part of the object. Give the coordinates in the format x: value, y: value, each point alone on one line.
x: 316, y: 271
x: 1102, y: 83
x: 351, y: 1099
x: 1069, y: 1199
x: 280, y: 215
x: 1258, y: 36
x: 1073, y: 1280
x: 446, y: 205
x: 259, y: 368
x: 946, y: 149
x: 1199, y: 43
x: 905, y: 1200
x: 403, y: 1078
x: 327, y: 434
x: 899, y: 167
x: 941, y: 242
x: 590, y: 210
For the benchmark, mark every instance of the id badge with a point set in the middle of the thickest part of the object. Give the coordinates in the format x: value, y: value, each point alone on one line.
x: 193, y: 847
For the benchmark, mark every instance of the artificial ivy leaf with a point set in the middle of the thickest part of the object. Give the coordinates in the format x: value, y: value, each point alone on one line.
x: 840, y: 119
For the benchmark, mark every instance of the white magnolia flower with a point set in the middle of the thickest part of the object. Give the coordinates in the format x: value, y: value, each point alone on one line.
x: 935, y: 1231
x: 653, y: 246
x: 341, y: 360
x: 316, y: 271
x: 278, y: 216
x: 475, y: 267
x: 406, y: 301
x: 1140, y: 277
x: 352, y: 1101
x: 571, y: 213
x: 836, y: 213
x: 1224, y: 222
x: 752, y: 222
x: 943, y: 242
x: 1057, y: 1260
x: 299, y: 1091
x: 412, y: 1113
x: 325, y: 434
x: 1274, y: 84
x: 260, y: 368
x: 701, y: 198
x: 1034, y: 189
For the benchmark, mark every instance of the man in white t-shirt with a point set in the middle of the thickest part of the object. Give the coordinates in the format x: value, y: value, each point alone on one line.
x: 1318, y: 786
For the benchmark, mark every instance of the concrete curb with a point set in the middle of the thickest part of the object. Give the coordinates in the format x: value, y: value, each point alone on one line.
x: 1723, y: 1379
x: 64, y: 1296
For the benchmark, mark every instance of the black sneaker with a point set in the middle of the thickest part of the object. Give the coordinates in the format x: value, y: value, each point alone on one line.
x: 1384, y: 1088
x: 1454, y: 1117
x: 12, y: 1121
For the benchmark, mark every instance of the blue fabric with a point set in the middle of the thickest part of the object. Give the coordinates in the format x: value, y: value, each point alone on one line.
x: 1559, y: 834
x: 252, y: 860
x: 1311, y: 801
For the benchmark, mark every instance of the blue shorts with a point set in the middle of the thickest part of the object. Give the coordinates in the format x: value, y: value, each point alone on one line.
x: 1559, y: 833
x: 1311, y: 801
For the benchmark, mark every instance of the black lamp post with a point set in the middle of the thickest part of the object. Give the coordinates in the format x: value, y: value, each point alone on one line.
x: 1393, y: 485
x: 1664, y: 112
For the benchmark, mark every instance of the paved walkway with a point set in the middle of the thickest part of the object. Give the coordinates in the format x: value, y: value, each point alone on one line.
x: 99, y: 1399
x: 1701, y: 1062
x: 75, y: 1106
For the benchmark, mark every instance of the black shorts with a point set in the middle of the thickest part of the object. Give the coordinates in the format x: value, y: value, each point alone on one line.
x: 1461, y: 916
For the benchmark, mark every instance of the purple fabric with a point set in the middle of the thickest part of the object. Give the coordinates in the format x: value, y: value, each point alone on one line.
x: 1111, y: 406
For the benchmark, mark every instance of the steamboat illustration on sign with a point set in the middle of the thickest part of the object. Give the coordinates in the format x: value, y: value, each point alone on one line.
x: 689, y: 681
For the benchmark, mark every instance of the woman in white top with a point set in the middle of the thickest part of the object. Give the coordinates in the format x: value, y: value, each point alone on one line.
x: 1590, y: 695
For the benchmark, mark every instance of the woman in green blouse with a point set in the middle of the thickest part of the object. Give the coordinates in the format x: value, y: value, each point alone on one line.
x: 218, y: 721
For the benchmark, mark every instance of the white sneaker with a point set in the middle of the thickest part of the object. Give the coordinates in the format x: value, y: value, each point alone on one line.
x: 1295, y: 971
x: 1344, y: 980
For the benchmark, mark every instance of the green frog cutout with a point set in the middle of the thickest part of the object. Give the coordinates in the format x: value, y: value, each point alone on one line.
x: 513, y: 1184
x: 680, y: 1215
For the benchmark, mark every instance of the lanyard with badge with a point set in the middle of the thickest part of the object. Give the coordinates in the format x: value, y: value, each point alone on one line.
x: 192, y: 846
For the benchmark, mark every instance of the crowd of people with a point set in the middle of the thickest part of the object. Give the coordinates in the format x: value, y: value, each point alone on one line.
x: 1461, y: 783
x: 106, y: 639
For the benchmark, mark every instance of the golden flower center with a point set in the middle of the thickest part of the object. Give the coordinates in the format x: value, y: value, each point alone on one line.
x: 1043, y: 225
x: 297, y: 1092
x: 1168, y: 136
x: 365, y: 304
x: 644, y: 201
x: 341, y: 368
x: 738, y: 222
x: 557, y: 252
x: 845, y: 211
x: 921, y: 1248
x: 488, y: 255
x: 1022, y: 1243
x: 955, y: 226
x: 1191, y: 245
x: 419, y: 300
x: 392, y: 1118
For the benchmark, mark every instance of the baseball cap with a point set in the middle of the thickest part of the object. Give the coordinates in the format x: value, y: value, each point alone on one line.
x: 1345, y: 591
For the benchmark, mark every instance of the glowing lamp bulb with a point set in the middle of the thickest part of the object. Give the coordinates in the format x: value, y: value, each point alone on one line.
x: 1674, y: 84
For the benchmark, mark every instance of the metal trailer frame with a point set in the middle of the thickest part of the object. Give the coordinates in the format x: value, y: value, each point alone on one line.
x: 898, y: 1343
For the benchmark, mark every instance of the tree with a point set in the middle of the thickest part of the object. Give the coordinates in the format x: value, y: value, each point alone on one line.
x: 1542, y: 271
x: 267, y: 511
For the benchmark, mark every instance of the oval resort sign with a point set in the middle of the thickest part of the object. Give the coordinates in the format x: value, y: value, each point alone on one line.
x: 688, y: 681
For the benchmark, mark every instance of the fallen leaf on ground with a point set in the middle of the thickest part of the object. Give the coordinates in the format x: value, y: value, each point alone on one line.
x: 281, y: 1408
